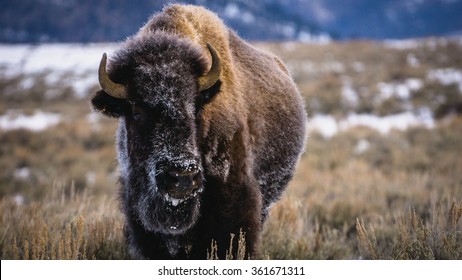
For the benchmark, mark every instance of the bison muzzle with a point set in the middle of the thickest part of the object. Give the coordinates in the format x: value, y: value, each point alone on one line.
x: 210, y: 131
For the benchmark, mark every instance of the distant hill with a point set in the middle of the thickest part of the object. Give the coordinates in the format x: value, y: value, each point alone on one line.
x: 389, y: 19
x: 26, y: 21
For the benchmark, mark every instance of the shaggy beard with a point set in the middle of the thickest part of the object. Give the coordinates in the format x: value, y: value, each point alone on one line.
x: 158, y: 215
x: 158, y: 212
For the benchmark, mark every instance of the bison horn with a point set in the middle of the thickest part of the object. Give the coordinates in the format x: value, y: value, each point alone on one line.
x: 209, y: 79
x: 111, y: 88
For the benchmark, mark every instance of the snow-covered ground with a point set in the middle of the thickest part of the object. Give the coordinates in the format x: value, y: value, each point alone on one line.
x: 446, y: 76
x: 77, y: 64
x: 328, y: 126
x: 36, y: 122
x: 400, y: 90
x: 431, y: 43
x: 29, y: 59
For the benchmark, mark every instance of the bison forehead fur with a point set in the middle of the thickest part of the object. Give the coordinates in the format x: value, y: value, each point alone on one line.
x: 199, y: 161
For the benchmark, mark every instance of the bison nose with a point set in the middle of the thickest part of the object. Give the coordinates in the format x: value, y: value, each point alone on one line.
x: 183, y: 182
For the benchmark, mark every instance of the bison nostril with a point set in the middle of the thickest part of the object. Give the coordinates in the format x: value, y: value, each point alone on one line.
x: 172, y: 180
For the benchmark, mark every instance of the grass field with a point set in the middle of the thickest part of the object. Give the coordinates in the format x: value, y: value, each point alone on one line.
x: 381, y: 177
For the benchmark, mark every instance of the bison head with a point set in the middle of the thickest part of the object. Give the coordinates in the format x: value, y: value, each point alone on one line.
x: 157, y: 85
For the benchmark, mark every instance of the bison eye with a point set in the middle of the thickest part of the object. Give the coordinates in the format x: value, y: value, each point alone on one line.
x: 138, y: 113
x: 208, y: 94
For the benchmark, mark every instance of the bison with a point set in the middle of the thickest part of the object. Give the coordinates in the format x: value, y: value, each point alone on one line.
x: 210, y: 131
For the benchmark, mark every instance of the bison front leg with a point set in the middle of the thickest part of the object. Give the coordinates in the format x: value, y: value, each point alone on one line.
x: 231, y: 220
x: 248, y: 225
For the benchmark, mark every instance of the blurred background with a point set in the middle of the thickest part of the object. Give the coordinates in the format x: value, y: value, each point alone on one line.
x: 27, y: 21
x: 381, y: 177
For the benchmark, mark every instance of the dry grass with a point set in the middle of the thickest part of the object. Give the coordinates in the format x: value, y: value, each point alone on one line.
x: 399, y: 199
x: 64, y: 225
x: 417, y: 239
x: 348, y: 209
x: 212, y: 253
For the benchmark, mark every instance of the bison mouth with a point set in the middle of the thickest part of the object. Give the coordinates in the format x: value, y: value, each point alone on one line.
x: 167, y: 214
x: 182, y: 212
x: 169, y: 199
x: 174, y: 201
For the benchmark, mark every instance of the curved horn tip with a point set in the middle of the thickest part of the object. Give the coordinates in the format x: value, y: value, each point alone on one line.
x: 102, y: 67
x: 104, y: 57
x: 111, y: 88
x: 210, y: 47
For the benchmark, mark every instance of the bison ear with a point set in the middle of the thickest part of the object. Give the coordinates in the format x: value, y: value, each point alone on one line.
x: 109, y: 106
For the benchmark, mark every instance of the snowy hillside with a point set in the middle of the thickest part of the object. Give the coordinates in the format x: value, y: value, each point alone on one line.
x: 74, y: 67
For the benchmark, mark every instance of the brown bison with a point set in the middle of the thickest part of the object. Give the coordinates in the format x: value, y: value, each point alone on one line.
x: 210, y: 131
